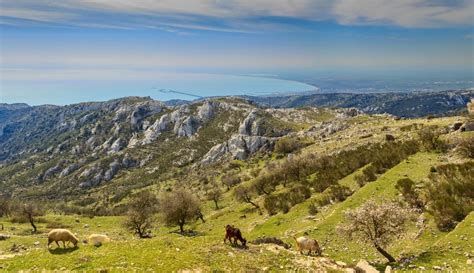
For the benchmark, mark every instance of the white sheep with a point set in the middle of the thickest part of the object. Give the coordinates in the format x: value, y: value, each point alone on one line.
x: 98, y: 239
x: 303, y: 243
x: 62, y: 235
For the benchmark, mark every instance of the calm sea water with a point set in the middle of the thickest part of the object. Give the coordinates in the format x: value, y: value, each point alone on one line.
x: 164, y: 87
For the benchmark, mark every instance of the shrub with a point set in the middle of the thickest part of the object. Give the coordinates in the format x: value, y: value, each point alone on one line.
x: 450, y: 194
x: 339, y: 193
x: 465, y: 148
x: 406, y: 187
x: 312, y: 209
x: 286, y: 145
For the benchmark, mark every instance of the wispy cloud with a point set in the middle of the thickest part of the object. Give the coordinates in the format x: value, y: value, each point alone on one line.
x: 211, y: 15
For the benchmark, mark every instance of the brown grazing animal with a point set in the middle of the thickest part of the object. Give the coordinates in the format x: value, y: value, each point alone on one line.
x: 232, y: 232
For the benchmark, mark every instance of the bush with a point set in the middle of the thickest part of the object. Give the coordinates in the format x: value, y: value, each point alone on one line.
x: 286, y: 145
x: 312, y: 209
x: 465, y: 148
x: 450, y: 194
x: 339, y: 193
x: 406, y: 187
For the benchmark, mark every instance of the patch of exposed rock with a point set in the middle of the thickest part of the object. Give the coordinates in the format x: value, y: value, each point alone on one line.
x: 188, y: 127
x: 143, y: 110
x: 239, y: 147
x: 207, y: 110
x: 251, y: 125
x: 156, y: 129
x: 116, y: 146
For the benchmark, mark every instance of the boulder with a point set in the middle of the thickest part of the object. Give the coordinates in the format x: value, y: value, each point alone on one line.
x: 4, y: 237
x: 456, y: 126
x: 468, y: 126
x: 364, y: 267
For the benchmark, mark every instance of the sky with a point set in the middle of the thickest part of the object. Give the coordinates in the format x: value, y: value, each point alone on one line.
x: 118, y: 40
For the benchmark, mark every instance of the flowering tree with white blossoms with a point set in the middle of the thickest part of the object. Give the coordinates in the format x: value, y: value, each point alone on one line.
x: 376, y: 224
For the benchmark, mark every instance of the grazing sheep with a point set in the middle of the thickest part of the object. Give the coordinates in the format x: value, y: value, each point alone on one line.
x: 98, y: 239
x: 62, y: 235
x: 303, y: 243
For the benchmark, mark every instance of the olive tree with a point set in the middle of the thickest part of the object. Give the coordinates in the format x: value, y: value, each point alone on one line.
x: 5, y: 206
x: 214, y: 194
x: 141, y: 213
x: 180, y: 207
x: 244, y: 194
x: 375, y: 224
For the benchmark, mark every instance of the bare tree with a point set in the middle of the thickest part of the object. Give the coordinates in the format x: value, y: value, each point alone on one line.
x: 180, y: 207
x: 31, y: 211
x: 375, y: 224
x: 141, y: 213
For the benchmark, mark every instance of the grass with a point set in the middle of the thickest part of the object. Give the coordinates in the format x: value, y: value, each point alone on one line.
x: 170, y: 251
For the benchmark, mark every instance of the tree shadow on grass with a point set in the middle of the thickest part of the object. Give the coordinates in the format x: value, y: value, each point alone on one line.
x: 189, y: 233
x: 61, y: 251
x: 237, y: 246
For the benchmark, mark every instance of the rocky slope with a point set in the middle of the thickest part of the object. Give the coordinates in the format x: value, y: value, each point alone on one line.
x: 73, y: 149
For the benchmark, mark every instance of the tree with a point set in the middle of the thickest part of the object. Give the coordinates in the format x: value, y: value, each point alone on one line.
x: 5, y: 206
x: 214, y: 194
x: 244, y: 194
x: 230, y: 180
x: 376, y: 224
x: 31, y: 211
x: 180, y: 207
x: 141, y: 213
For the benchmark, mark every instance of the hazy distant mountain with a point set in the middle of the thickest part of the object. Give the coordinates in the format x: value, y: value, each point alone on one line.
x: 410, y: 104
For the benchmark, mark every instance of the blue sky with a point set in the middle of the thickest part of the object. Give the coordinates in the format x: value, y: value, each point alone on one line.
x: 114, y: 40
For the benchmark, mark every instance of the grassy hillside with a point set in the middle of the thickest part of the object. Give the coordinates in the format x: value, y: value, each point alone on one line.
x: 204, y: 249
x: 333, y: 148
